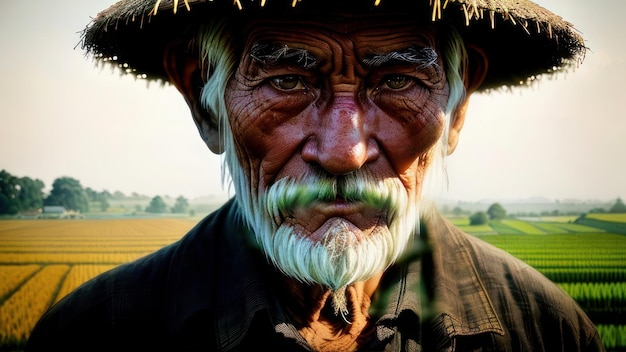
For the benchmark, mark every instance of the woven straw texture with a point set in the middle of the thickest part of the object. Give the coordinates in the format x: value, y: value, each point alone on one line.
x: 522, y: 39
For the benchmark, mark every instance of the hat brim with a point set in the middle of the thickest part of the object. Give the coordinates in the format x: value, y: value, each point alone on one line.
x: 522, y: 40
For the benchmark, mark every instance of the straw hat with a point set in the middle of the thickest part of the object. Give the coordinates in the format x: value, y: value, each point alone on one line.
x: 522, y: 39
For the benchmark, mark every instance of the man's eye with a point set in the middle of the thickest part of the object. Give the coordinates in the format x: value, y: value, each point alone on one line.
x: 396, y: 82
x: 290, y: 82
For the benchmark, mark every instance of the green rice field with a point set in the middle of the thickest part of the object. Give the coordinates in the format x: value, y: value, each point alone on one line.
x: 588, y: 262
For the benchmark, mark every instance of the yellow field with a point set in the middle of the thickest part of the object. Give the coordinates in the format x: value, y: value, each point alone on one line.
x: 43, y: 260
x: 614, y: 217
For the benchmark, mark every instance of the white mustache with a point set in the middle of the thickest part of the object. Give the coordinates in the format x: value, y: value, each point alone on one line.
x: 289, y: 193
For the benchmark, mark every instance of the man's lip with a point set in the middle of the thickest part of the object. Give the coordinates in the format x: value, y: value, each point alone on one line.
x: 337, y: 208
x: 317, y: 217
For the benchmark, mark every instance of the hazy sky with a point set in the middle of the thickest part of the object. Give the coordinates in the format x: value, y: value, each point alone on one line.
x: 61, y: 116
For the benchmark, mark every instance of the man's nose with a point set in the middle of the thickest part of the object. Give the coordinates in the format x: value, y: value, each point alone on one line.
x: 341, y: 143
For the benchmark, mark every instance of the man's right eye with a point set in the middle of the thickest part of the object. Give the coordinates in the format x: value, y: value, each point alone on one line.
x: 288, y: 83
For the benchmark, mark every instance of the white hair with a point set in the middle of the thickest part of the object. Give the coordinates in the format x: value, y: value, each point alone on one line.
x: 455, y: 62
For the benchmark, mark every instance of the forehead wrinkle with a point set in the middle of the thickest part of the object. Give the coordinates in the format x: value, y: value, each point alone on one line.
x: 273, y: 54
x: 342, y: 58
x: 423, y: 57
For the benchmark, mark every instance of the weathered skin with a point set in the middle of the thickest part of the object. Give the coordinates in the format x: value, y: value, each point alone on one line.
x: 342, y: 116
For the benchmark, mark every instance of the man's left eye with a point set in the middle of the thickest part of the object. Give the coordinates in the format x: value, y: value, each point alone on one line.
x: 288, y: 83
x: 397, y: 82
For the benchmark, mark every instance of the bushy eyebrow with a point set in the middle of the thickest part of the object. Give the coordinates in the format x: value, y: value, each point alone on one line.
x: 282, y: 54
x: 423, y: 57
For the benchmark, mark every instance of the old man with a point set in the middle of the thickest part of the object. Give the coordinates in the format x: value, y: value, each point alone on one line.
x: 333, y: 117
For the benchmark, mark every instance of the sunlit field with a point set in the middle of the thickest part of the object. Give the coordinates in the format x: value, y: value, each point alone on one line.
x: 43, y: 260
x: 620, y: 217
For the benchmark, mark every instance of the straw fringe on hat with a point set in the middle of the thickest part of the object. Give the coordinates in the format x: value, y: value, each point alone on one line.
x: 521, y: 39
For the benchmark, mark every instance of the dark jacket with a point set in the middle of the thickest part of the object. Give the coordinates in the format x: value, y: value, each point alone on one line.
x: 214, y: 290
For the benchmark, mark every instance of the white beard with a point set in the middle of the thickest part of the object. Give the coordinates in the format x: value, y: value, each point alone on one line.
x: 343, y: 255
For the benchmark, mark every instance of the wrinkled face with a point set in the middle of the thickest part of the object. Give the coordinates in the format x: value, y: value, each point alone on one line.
x: 334, y: 123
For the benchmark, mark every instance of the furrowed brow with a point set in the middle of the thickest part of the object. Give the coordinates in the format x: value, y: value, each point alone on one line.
x: 281, y: 54
x: 423, y: 57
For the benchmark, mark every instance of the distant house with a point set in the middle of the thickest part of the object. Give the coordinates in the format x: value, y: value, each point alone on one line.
x: 59, y: 212
x: 53, y: 211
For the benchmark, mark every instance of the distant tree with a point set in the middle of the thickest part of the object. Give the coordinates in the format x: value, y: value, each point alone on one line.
x: 68, y: 192
x: 137, y: 196
x: 19, y: 193
x: 31, y: 193
x: 103, y: 200
x: 181, y: 206
x: 91, y: 194
x: 6, y: 206
x: 118, y: 195
x: 618, y: 207
x: 9, y: 191
x: 457, y: 211
x: 478, y: 218
x: 597, y: 211
x: 157, y: 205
x: 496, y: 211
